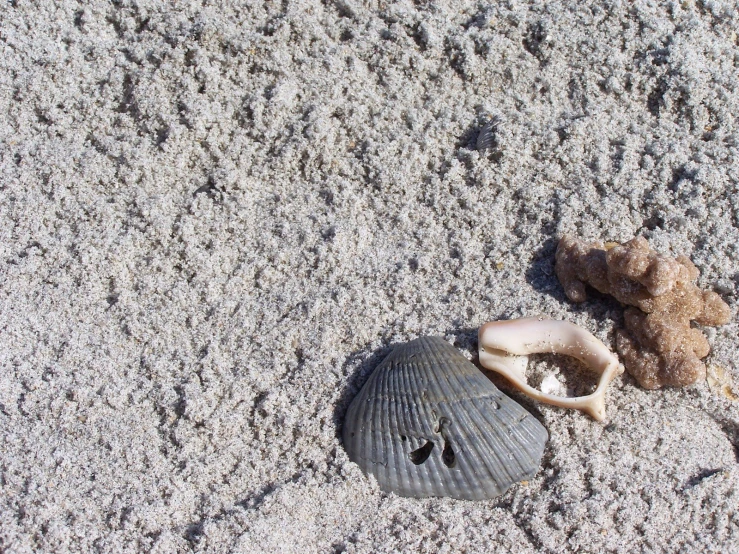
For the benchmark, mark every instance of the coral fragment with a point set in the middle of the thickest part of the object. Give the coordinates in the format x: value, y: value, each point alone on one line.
x: 658, y: 345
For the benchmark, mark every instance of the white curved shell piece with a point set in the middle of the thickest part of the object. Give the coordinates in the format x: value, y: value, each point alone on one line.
x: 504, y: 347
x: 429, y: 423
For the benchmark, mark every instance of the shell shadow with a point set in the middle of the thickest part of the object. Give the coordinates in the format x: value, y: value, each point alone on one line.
x: 367, y: 362
x: 468, y: 138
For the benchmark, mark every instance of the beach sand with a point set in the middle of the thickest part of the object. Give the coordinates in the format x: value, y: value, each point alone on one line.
x: 217, y: 219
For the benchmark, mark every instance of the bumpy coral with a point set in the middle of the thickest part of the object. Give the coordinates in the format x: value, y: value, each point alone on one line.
x: 658, y: 345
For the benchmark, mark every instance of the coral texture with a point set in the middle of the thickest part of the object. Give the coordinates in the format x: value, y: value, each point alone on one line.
x: 658, y: 345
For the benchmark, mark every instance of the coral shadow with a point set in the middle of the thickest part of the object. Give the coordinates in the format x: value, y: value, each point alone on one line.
x: 540, y: 274
x: 542, y: 278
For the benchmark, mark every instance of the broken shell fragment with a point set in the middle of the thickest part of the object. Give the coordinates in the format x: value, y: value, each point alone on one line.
x: 505, y: 345
x: 429, y: 423
x: 486, y: 137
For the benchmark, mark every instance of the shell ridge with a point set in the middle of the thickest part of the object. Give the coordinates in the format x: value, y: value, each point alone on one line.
x: 425, y: 369
x: 402, y: 411
x: 527, y: 429
x: 478, y: 460
x: 508, y: 416
x: 413, y: 418
x: 370, y: 457
x: 527, y: 437
x: 389, y: 415
x: 491, y: 420
x: 357, y: 413
x: 488, y: 422
x: 413, y: 415
x: 494, y: 461
x: 381, y: 420
x: 367, y: 431
x: 437, y: 371
x: 504, y: 443
x: 479, y: 457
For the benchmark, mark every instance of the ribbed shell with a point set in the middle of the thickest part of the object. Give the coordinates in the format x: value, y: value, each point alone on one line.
x: 486, y: 136
x: 425, y: 392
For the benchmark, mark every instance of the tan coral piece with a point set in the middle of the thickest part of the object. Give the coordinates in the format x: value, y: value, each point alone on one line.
x: 505, y: 345
x: 658, y: 346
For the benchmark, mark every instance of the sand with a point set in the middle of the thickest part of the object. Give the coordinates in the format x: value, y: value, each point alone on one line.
x: 217, y: 219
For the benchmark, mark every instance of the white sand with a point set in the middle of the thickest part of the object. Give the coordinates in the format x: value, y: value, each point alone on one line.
x: 216, y: 220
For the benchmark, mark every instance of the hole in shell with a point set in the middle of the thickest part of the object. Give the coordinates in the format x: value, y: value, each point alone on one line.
x: 403, y: 438
x: 422, y: 454
x: 447, y: 455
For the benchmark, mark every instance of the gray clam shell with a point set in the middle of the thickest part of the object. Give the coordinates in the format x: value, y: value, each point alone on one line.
x: 429, y: 423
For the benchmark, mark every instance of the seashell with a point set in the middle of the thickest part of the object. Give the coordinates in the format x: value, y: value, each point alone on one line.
x: 504, y: 347
x: 429, y: 423
x: 486, y: 137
